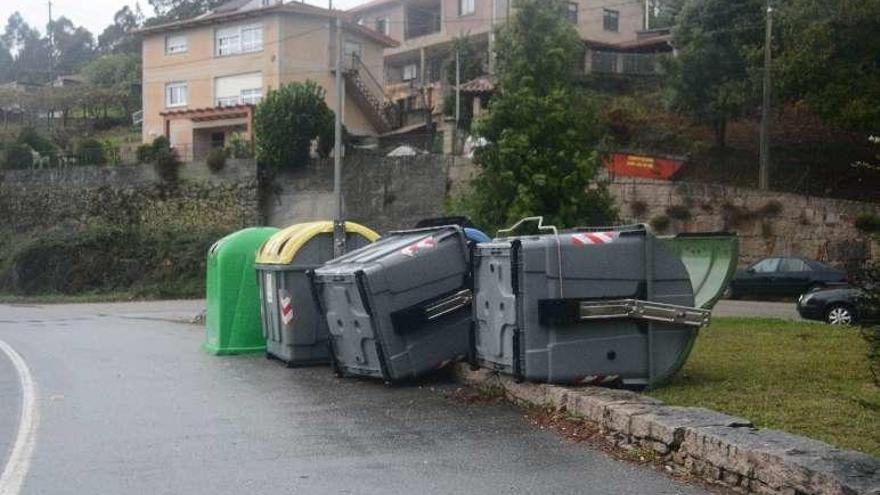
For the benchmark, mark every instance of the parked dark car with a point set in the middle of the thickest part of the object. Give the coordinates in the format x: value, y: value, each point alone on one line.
x: 784, y: 276
x: 839, y: 306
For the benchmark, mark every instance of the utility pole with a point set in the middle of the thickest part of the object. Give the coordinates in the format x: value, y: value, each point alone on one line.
x: 338, y: 223
x: 492, y: 39
x: 51, y: 45
x: 457, y: 98
x: 764, y: 174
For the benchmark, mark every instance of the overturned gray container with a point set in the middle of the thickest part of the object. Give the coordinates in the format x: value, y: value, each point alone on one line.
x: 591, y: 306
x: 398, y: 308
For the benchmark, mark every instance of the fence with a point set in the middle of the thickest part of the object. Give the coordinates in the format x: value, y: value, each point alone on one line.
x: 611, y: 62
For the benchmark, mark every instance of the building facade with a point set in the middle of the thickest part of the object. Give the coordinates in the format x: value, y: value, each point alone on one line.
x: 203, y: 76
x: 613, y: 32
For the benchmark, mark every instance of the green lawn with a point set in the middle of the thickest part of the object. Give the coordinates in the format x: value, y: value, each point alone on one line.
x: 805, y: 378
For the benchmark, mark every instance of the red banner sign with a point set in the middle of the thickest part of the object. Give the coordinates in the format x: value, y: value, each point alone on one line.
x: 642, y: 166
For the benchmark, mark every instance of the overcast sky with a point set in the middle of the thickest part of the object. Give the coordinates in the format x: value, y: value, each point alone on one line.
x: 95, y: 15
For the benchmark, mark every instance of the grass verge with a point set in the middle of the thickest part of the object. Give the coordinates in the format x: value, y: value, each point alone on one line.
x: 805, y: 378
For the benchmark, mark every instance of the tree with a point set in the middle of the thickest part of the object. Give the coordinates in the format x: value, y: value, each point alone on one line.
x: 541, y: 152
x: 6, y: 62
x: 288, y: 120
x: 829, y: 59
x: 32, y: 54
x: 118, y: 73
x: 714, y: 76
x: 119, y: 37
x: 175, y: 10
x: 471, y: 61
x: 73, y: 46
x: 663, y: 13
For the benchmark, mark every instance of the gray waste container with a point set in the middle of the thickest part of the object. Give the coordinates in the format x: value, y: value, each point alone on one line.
x: 400, y: 307
x: 590, y: 306
x: 294, y: 329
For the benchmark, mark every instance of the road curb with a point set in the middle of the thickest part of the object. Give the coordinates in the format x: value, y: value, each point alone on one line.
x: 716, y: 447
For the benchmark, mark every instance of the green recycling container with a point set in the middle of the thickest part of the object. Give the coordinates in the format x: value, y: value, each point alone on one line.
x: 232, y: 316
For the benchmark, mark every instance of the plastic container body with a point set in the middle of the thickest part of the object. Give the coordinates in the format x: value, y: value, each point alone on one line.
x: 399, y: 308
x: 232, y: 305
x: 527, y: 294
x: 294, y: 329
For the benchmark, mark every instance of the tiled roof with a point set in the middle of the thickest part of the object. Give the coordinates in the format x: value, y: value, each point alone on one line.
x: 287, y: 8
x: 371, y: 4
x: 482, y: 84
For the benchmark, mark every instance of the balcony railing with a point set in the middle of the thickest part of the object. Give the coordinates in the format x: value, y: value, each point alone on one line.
x: 611, y: 62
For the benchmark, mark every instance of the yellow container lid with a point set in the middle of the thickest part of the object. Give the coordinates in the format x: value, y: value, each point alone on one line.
x: 283, y: 246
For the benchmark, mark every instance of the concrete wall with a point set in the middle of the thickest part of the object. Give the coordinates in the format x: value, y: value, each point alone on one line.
x: 381, y: 193
x: 817, y: 228
x: 130, y: 196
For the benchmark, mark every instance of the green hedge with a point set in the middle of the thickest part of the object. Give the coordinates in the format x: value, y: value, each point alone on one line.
x: 163, y: 264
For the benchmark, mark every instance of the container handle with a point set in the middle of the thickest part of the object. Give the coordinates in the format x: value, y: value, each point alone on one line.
x: 540, y: 221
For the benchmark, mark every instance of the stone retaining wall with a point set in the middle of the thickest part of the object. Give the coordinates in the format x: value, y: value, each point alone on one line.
x: 768, y: 222
x: 130, y: 195
x: 716, y: 447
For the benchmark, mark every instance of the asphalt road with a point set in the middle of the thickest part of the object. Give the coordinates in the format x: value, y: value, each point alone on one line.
x: 128, y: 403
x: 756, y: 309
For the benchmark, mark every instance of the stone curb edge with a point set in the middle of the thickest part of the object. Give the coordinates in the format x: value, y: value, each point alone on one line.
x: 716, y: 447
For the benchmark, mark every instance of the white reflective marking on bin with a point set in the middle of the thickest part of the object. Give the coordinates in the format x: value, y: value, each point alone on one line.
x: 414, y: 248
x: 592, y: 238
x: 270, y: 288
x: 286, y: 310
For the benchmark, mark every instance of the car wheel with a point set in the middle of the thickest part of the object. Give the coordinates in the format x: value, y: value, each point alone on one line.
x: 730, y: 294
x: 840, y: 314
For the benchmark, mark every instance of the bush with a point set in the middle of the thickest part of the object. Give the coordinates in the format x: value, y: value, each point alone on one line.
x: 36, y: 141
x: 163, y: 158
x: 868, y: 223
x: 107, y: 123
x: 18, y: 156
x: 167, y: 164
x: 217, y: 159
x: 288, y: 120
x: 158, y: 263
x: 239, y: 146
x: 145, y: 153
x: 771, y: 208
x: 868, y: 280
x: 660, y: 223
x: 90, y: 151
x: 679, y: 212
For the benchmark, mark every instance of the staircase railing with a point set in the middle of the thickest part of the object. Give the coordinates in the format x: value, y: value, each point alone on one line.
x: 370, y: 89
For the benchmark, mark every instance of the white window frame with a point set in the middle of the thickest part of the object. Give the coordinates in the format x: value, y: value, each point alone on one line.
x: 466, y: 7
x: 386, y: 25
x: 254, y: 45
x: 235, y: 39
x: 414, y: 72
x: 182, y: 95
x: 608, y: 14
x: 251, y: 96
x: 176, y: 44
x: 572, y: 8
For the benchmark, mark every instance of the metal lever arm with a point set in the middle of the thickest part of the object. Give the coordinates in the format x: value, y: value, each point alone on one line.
x: 449, y: 304
x: 644, y: 310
